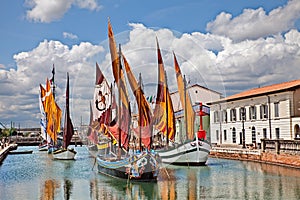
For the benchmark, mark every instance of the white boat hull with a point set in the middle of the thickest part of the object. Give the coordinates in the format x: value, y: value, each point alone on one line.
x: 64, y: 154
x: 186, y: 154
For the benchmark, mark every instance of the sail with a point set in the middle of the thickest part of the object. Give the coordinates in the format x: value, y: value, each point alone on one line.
x: 185, y: 102
x: 53, y: 113
x: 102, y: 98
x: 68, y: 126
x: 124, y: 113
x: 144, y: 110
x: 43, y: 121
x: 164, y: 118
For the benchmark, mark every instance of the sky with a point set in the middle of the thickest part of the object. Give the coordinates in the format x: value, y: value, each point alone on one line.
x: 225, y: 45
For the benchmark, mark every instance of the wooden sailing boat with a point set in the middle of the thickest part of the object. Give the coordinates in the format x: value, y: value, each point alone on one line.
x: 66, y: 153
x: 193, y: 150
x: 50, y: 116
x: 127, y: 162
x: 100, y: 113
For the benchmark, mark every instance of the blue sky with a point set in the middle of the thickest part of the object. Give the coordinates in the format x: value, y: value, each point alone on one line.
x: 238, y: 44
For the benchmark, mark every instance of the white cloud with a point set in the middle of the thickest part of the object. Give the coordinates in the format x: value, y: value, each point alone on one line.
x: 88, y: 4
x: 253, y: 24
x: 70, y: 35
x: 20, y: 87
x: 46, y: 11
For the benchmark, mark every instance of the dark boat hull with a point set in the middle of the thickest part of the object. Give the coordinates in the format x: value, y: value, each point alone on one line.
x: 144, y: 168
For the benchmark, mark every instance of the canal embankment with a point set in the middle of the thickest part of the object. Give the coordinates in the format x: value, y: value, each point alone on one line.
x: 275, y: 157
x: 5, y: 149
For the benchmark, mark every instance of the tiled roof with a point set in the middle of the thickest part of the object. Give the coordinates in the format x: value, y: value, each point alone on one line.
x: 262, y: 90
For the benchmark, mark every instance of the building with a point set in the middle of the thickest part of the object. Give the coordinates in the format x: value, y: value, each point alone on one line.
x: 270, y: 112
x: 198, y: 94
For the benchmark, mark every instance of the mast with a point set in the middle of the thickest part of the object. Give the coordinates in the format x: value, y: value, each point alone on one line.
x: 185, y: 107
x: 167, y: 116
x: 52, y: 81
x: 139, y: 106
x: 119, y: 104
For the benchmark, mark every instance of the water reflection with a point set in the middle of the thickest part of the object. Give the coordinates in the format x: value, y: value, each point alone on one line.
x: 67, y: 189
x: 111, y: 188
x: 48, y: 190
x: 22, y: 176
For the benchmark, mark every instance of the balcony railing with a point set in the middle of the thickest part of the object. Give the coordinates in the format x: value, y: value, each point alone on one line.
x: 280, y: 145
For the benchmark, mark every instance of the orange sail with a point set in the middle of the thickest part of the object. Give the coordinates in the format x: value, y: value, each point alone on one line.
x: 124, y: 114
x: 185, y: 102
x: 53, y: 113
x: 164, y: 119
x: 144, y: 110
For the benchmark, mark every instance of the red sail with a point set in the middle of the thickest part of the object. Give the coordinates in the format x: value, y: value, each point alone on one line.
x: 124, y: 113
x: 164, y: 119
x: 144, y: 110
x: 68, y: 126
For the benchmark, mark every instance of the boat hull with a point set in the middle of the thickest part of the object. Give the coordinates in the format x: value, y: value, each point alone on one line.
x: 43, y: 147
x: 64, y: 154
x: 142, y: 168
x: 186, y: 154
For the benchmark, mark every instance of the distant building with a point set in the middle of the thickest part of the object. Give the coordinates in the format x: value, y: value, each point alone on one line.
x: 270, y: 112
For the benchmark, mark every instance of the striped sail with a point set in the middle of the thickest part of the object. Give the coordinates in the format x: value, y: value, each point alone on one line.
x: 144, y: 110
x: 164, y: 119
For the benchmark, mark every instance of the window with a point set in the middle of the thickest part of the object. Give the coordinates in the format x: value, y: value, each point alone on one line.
x: 225, y: 116
x: 217, y: 135
x: 264, y: 132
x: 253, y: 135
x: 252, y: 113
x: 264, y: 111
x: 216, y: 116
x: 276, y: 109
x: 277, y: 131
x: 242, y: 114
x: 225, y: 135
x: 233, y: 115
x: 233, y: 135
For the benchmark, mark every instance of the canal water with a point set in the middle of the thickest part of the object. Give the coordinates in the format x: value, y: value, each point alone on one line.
x: 37, y: 176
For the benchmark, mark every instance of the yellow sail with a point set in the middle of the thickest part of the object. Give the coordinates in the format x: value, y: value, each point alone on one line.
x: 185, y: 102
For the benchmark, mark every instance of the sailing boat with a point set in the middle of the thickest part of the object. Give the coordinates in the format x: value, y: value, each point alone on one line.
x: 194, y: 150
x: 100, y: 113
x: 127, y: 163
x: 66, y: 153
x: 50, y: 115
